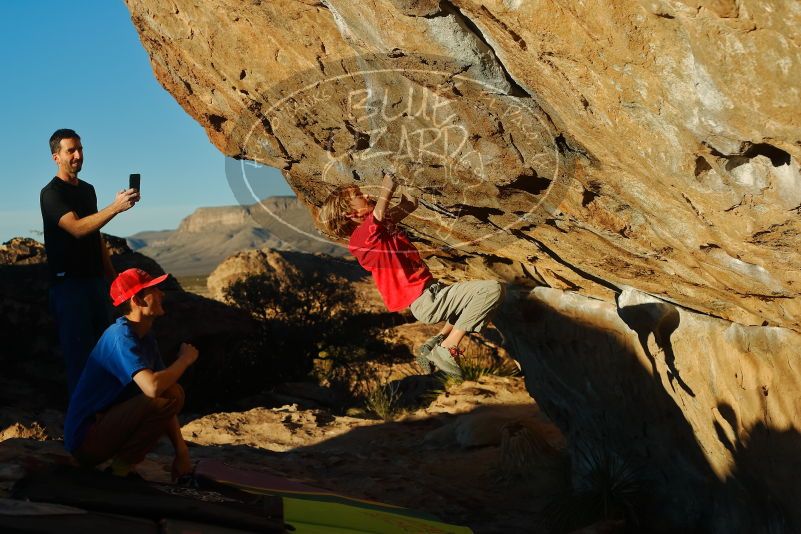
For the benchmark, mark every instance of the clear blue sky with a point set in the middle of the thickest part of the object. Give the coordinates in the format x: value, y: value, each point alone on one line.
x: 80, y: 65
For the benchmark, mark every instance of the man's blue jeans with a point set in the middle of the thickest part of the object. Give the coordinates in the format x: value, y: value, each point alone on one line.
x: 82, y: 308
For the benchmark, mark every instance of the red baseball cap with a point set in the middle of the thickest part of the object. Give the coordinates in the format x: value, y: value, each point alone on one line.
x: 130, y: 282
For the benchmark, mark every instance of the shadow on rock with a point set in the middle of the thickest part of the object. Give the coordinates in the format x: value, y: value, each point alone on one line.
x: 617, y: 418
x: 761, y: 478
x: 660, y: 320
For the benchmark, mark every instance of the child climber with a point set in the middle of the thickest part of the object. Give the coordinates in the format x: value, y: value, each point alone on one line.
x: 402, y: 278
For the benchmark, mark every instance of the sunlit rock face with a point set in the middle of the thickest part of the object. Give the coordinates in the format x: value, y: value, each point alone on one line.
x: 671, y: 124
x: 590, y: 148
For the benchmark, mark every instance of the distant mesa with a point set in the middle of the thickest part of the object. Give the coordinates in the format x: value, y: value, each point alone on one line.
x: 209, y: 235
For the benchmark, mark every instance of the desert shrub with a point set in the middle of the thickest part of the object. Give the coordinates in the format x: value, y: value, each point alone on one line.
x: 353, y: 364
x: 308, y: 326
x: 526, y: 455
x: 297, y: 315
x: 298, y: 299
x: 480, y: 358
x: 474, y: 368
x: 384, y: 401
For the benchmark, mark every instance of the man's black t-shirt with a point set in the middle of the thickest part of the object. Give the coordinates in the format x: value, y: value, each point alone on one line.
x: 68, y: 256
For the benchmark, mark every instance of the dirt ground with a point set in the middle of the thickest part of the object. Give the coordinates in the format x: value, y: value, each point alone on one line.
x: 477, y: 453
x: 480, y: 455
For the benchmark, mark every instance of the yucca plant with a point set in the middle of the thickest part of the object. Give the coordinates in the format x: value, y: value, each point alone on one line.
x: 605, y: 487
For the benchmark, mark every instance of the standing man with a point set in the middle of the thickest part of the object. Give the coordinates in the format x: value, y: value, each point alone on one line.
x: 76, y: 254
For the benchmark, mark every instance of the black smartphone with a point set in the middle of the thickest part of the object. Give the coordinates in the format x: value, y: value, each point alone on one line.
x: 134, y: 181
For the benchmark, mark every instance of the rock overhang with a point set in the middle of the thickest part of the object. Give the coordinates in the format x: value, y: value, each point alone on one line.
x: 654, y: 139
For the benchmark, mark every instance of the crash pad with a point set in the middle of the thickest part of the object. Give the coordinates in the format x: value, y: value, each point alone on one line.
x: 25, y: 517
x: 313, y: 510
x: 101, y: 492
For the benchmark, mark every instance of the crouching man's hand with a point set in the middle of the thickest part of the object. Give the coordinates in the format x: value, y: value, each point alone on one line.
x: 187, y: 353
x: 182, y: 464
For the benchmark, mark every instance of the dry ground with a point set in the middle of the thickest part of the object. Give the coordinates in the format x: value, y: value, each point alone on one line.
x: 460, y: 458
x: 478, y: 453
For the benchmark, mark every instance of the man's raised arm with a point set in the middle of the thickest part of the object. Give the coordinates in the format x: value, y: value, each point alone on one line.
x: 80, y: 227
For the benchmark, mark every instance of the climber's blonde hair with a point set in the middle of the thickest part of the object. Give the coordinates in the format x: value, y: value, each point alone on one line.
x: 334, y: 214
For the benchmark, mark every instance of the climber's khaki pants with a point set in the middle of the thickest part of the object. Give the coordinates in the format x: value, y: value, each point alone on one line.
x: 467, y: 306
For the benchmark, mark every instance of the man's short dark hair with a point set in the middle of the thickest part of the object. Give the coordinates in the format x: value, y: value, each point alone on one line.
x: 58, y: 135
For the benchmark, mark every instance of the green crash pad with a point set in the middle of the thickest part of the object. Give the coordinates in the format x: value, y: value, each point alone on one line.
x: 312, y: 510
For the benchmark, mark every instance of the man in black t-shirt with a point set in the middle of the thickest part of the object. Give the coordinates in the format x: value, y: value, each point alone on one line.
x: 76, y: 254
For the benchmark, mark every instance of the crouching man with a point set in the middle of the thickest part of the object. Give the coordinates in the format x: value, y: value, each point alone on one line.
x: 126, y: 399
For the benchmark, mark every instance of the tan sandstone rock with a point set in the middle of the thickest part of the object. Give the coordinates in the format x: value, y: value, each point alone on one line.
x: 667, y: 124
x: 284, y: 264
x: 703, y: 404
x: 244, y: 264
x: 611, y: 152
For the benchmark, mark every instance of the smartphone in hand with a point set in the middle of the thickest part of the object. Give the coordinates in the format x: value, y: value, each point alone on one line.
x: 134, y: 181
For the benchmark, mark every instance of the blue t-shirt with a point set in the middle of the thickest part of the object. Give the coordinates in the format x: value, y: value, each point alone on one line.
x: 107, y: 378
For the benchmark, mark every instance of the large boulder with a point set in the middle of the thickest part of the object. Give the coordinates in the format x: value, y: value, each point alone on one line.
x: 637, y: 160
x: 702, y: 410
x: 653, y: 139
